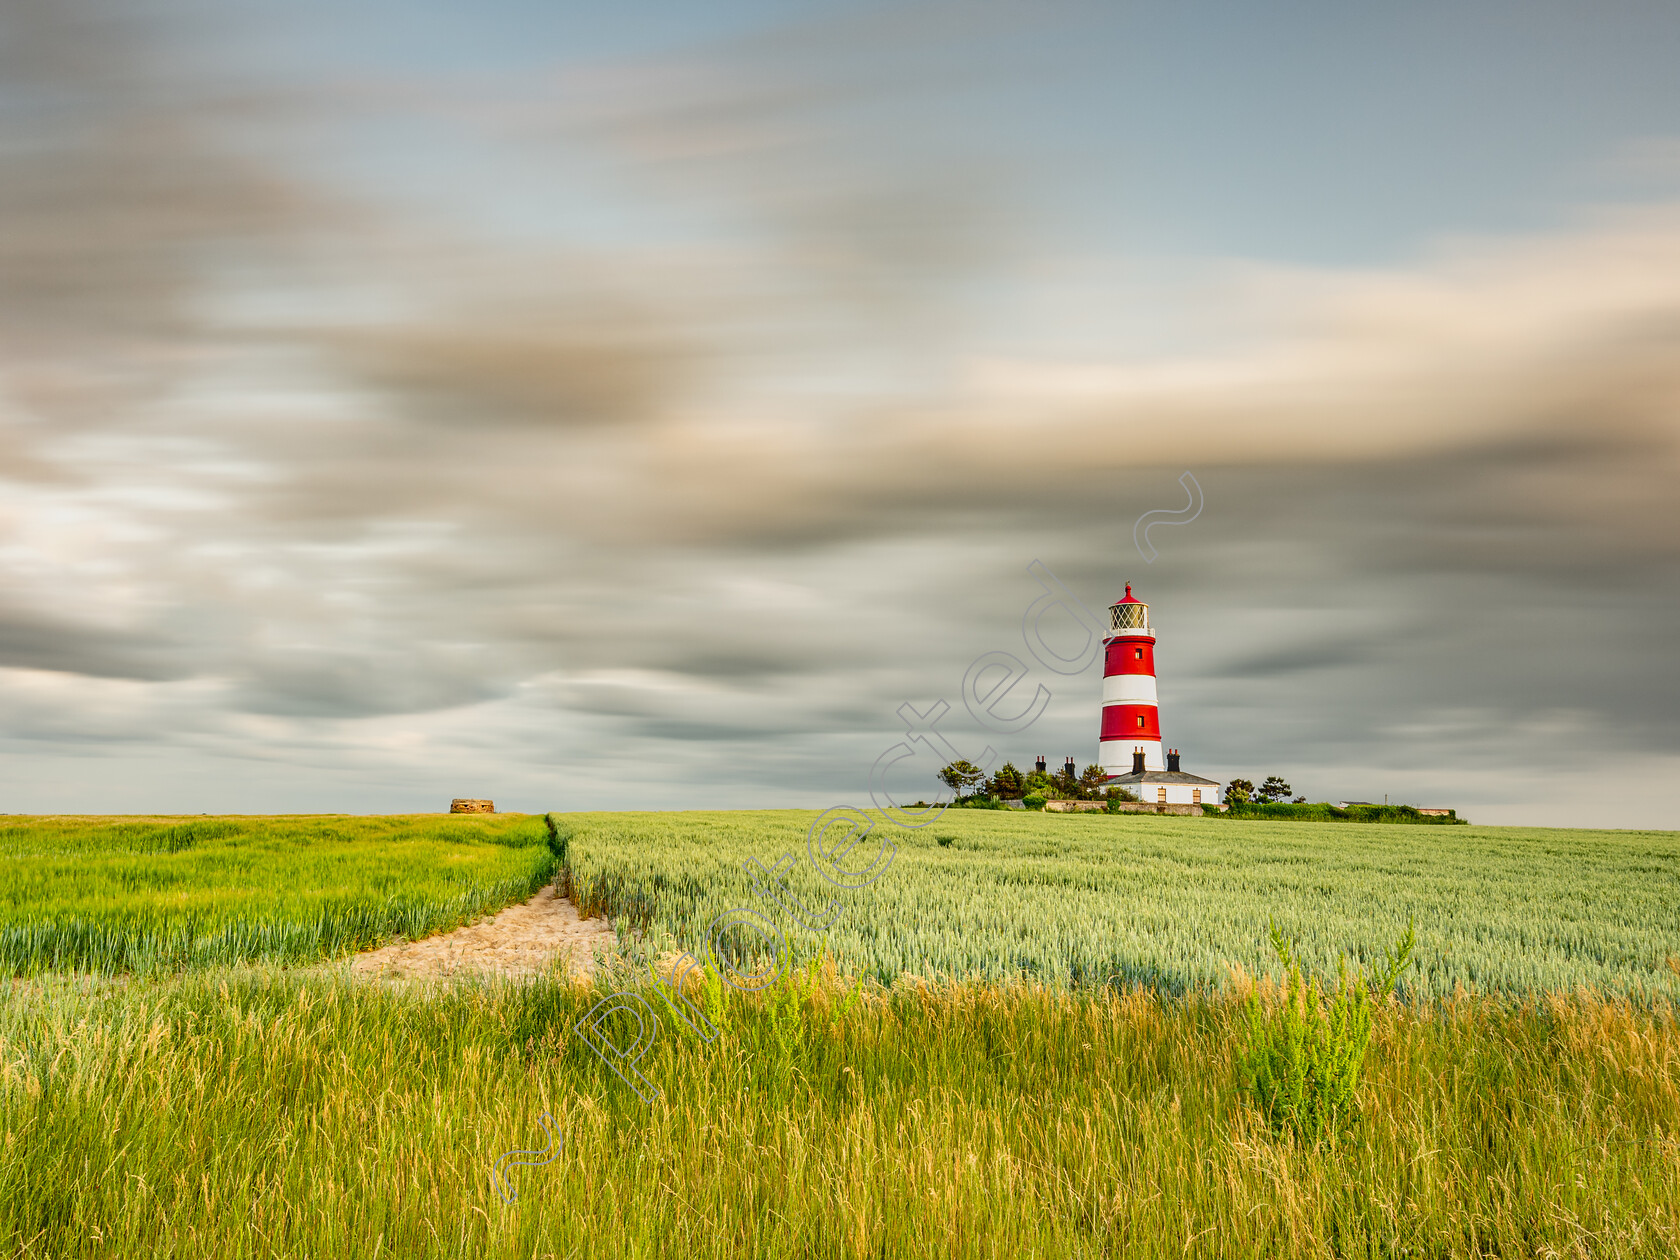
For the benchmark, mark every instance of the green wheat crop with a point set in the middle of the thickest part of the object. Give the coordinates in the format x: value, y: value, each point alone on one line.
x: 1173, y: 903
x: 102, y: 895
x: 254, y: 1111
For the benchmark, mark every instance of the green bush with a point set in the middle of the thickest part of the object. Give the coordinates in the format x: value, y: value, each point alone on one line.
x: 1322, y: 811
x: 1116, y: 795
x: 1302, y: 1063
x: 1034, y: 801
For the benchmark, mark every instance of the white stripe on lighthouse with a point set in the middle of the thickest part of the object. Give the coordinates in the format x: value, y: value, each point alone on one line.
x: 1115, y: 755
x: 1129, y: 689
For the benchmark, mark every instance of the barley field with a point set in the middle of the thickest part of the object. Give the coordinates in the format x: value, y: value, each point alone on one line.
x: 142, y: 894
x: 1168, y: 902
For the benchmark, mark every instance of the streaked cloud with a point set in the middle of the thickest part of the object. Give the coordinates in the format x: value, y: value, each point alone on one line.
x: 315, y: 479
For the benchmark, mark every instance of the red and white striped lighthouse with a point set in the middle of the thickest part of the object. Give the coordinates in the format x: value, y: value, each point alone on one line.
x: 1131, y: 721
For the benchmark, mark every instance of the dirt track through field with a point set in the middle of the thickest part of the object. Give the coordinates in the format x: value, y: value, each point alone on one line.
x: 523, y: 940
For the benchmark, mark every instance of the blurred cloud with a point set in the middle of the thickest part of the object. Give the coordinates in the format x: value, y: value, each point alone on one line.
x: 30, y: 641
x: 120, y: 198
x: 812, y: 137
x: 304, y: 477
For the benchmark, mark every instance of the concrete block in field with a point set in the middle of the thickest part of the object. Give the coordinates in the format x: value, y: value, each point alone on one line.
x: 462, y: 805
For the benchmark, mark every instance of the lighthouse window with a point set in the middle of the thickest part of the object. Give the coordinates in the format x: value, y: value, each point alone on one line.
x: 1140, y: 721
x: 1137, y: 654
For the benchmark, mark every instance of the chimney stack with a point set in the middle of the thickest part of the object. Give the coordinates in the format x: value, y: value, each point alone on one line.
x: 1137, y: 761
x: 1172, y: 760
x: 1071, y: 772
x: 1040, y: 766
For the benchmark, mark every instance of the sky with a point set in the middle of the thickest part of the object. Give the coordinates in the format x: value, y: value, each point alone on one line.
x: 607, y: 407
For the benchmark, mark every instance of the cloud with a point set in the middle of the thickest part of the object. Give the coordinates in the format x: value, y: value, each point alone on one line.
x: 529, y: 371
x: 368, y: 683
x: 309, y: 478
x: 1553, y: 356
x: 1297, y: 658
x: 119, y: 196
x: 823, y: 138
x: 30, y: 640
x: 1567, y: 343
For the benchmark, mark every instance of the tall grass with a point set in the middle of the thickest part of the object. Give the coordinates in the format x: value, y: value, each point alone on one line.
x: 106, y: 896
x: 261, y: 1114
x: 1168, y: 902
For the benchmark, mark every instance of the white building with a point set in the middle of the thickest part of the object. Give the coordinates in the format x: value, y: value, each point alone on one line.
x: 1171, y: 786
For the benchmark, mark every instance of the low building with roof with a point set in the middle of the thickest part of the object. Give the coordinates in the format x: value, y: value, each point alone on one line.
x: 1171, y: 786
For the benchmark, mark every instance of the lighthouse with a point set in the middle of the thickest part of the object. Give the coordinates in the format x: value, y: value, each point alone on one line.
x: 1131, y: 719
x: 1131, y: 722
x: 1130, y: 751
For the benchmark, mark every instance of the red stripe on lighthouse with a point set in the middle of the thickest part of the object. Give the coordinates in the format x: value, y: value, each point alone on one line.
x: 1130, y: 656
x: 1121, y: 721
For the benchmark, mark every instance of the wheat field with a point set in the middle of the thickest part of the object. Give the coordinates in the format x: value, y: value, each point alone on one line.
x: 144, y: 894
x: 1172, y: 903
x: 994, y: 1099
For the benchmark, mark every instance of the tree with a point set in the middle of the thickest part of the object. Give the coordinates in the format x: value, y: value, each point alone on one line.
x: 1273, y: 789
x: 1006, y: 783
x: 1238, y: 792
x: 960, y: 776
x: 1067, y: 785
x: 1038, y: 781
x: 1092, y: 781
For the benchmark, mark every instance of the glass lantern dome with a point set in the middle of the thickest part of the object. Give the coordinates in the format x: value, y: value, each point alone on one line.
x: 1128, y: 613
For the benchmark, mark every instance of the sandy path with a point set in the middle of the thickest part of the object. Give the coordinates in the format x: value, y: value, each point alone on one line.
x: 523, y: 940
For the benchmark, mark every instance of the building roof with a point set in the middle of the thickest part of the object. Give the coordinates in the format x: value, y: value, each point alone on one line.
x: 1156, y: 776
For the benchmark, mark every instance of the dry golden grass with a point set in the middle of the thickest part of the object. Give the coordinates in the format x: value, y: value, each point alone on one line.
x: 271, y: 1115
